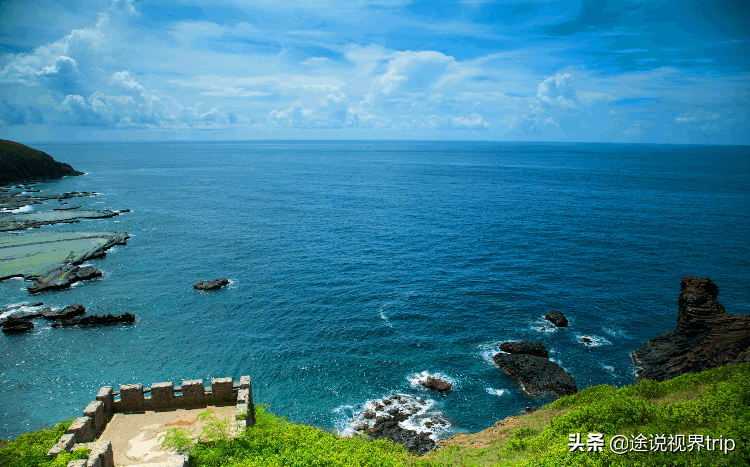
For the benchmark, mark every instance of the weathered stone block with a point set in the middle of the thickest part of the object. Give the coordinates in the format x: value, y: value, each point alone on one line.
x: 82, y: 430
x: 243, y: 396
x: 63, y: 444
x: 222, y: 389
x: 94, y: 462
x: 162, y: 395
x: 95, y: 411
x: 103, y: 451
x: 245, y: 382
x: 106, y: 396
x: 78, y: 463
x: 131, y: 396
x: 193, y: 391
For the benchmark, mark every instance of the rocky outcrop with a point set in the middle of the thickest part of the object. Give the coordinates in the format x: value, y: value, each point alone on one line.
x: 23, y: 221
x: 386, y: 417
x: 537, y: 374
x: 19, y: 162
x: 63, y: 277
x: 413, y: 441
x: 95, y: 320
x: 557, y: 318
x: 68, y: 312
x: 211, y: 285
x: 13, y: 325
x: 436, y: 383
x: 22, y: 311
x: 525, y: 347
x: 706, y: 336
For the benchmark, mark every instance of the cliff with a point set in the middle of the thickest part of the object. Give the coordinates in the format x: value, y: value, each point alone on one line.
x: 706, y: 336
x: 20, y: 163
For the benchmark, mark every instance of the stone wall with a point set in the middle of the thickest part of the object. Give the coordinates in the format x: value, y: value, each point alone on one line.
x: 160, y: 396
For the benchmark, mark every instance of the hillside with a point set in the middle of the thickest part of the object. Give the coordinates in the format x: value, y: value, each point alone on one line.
x: 669, y: 418
x: 19, y: 163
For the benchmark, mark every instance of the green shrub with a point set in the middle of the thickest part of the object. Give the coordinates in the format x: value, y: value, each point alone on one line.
x: 30, y: 449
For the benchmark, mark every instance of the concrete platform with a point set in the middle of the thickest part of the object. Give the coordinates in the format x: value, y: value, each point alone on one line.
x: 135, y: 437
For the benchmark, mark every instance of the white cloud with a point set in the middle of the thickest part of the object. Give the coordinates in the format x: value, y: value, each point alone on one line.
x: 556, y: 90
x: 333, y: 112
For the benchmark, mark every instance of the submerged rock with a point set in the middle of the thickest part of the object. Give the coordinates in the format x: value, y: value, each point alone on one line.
x: 212, y: 284
x: 63, y: 277
x: 706, y: 336
x: 525, y: 347
x: 436, y: 383
x: 557, y: 318
x: 22, y: 311
x: 95, y: 320
x: 68, y: 312
x: 537, y: 374
x: 16, y: 325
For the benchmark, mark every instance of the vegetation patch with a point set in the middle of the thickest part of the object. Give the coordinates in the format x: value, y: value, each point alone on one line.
x: 713, y: 403
x: 30, y: 449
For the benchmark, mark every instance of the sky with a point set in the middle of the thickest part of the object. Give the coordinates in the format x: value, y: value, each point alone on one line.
x: 674, y: 71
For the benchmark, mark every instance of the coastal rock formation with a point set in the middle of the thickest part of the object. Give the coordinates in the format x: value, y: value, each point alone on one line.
x: 63, y: 277
x: 22, y: 311
x: 436, y: 383
x: 68, y: 312
x: 211, y: 285
x: 19, y: 162
x: 525, y: 347
x: 17, y: 325
x: 413, y: 441
x: 10, y: 221
x: 557, y: 318
x: 35, y: 254
x: 706, y: 336
x: 95, y: 320
x: 537, y: 374
x: 402, y: 419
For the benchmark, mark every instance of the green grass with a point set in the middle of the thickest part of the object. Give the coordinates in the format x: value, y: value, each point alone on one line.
x: 275, y: 442
x: 30, y: 449
x: 714, y: 403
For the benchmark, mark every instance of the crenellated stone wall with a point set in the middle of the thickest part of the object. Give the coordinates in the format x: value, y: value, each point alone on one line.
x: 161, y: 396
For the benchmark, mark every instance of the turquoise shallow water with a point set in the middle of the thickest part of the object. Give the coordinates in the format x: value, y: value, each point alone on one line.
x: 355, y: 265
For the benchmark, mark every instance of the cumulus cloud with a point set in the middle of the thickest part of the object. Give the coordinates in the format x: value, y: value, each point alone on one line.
x: 333, y: 112
x: 412, y: 71
x: 556, y: 90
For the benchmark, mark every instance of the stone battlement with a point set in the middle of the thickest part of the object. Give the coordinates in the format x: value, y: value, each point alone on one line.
x: 133, y: 398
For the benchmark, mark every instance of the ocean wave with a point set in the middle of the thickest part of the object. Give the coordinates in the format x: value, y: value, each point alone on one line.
x: 487, y: 351
x: 421, y: 415
x: 496, y: 392
x: 591, y: 340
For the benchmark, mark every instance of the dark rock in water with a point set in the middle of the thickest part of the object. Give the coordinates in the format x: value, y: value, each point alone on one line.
x: 211, y: 285
x: 557, y: 318
x: 525, y: 347
x: 65, y: 208
x: 438, y: 384
x: 706, y: 336
x: 16, y: 325
x: 19, y: 162
x: 124, y: 210
x: 63, y: 277
x: 23, y: 311
x: 537, y: 374
x: 64, y: 313
x: 414, y: 442
x: 94, y: 320
x: 586, y: 339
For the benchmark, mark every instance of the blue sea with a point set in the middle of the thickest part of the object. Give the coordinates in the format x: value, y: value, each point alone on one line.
x: 357, y: 266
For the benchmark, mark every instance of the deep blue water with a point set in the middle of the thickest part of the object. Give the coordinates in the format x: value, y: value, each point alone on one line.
x: 357, y: 264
